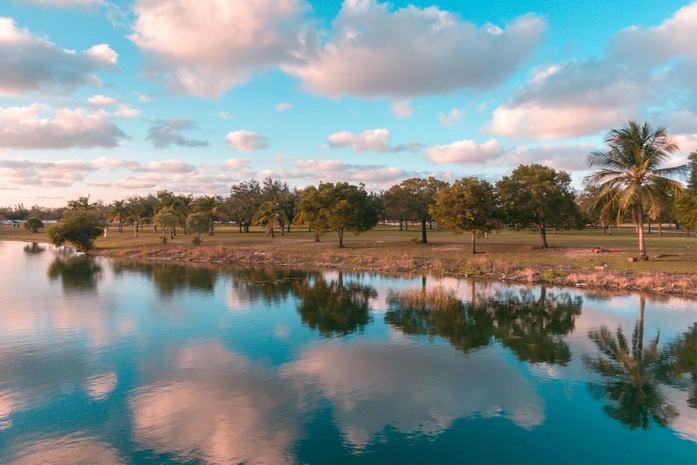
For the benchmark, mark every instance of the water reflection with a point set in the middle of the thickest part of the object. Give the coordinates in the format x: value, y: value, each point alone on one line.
x: 34, y: 248
x: 532, y: 327
x: 77, y: 273
x: 74, y: 449
x: 214, y: 406
x: 334, y: 307
x: 172, y: 278
x: 677, y: 364
x: 631, y: 387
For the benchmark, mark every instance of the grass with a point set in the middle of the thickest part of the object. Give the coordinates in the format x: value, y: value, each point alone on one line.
x: 510, y: 254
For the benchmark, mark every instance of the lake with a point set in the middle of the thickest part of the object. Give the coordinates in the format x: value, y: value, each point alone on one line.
x: 113, y: 361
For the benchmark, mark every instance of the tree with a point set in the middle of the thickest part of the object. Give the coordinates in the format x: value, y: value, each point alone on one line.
x: 632, y: 170
x: 468, y: 205
x: 79, y: 227
x: 339, y: 208
x: 33, y: 224
x: 209, y: 206
x: 686, y: 203
x: 536, y: 195
x: 418, y: 196
x: 198, y: 223
x: 396, y: 205
x: 271, y: 215
x: 604, y: 212
x: 118, y: 212
x: 243, y: 203
x: 167, y: 218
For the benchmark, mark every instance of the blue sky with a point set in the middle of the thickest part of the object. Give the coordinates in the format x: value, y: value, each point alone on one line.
x: 117, y: 98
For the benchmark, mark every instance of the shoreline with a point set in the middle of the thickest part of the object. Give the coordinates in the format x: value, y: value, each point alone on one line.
x: 669, y: 284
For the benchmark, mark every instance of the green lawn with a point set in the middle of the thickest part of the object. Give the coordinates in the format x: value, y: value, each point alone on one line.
x: 671, y: 253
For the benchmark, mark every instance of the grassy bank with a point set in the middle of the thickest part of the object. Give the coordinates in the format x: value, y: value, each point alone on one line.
x: 672, y: 267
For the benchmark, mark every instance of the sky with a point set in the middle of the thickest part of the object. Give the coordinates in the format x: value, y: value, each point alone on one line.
x: 116, y: 98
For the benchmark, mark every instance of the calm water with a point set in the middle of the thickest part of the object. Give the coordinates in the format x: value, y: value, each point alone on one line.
x: 117, y: 362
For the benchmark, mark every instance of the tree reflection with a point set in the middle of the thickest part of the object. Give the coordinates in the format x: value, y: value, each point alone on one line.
x: 677, y: 364
x: 170, y: 278
x: 267, y: 284
x: 34, y: 248
x: 334, y: 307
x: 75, y: 273
x: 630, y: 382
x: 532, y: 327
x: 467, y: 326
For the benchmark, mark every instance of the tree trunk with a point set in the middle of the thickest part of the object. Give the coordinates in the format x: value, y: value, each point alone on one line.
x: 283, y: 229
x: 543, y: 236
x: 400, y: 225
x: 640, y: 224
x: 154, y: 228
x: 288, y: 227
x: 660, y: 229
x: 430, y: 225
x: 340, y: 235
x: 649, y: 231
x: 120, y: 227
x: 172, y: 233
x: 473, y: 245
x: 210, y: 222
x: 240, y: 228
x: 272, y: 234
x: 135, y: 229
x: 423, y: 232
x: 609, y: 229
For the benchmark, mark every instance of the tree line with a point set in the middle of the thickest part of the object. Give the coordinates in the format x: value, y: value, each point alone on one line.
x: 631, y: 183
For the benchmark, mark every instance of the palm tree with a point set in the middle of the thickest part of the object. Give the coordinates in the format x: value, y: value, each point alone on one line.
x: 631, y: 172
x: 630, y: 384
x: 208, y: 205
x: 270, y: 214
x: 119, y: 212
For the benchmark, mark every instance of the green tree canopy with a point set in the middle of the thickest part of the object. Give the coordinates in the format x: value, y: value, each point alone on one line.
x: 270, y: 214
x: 536, y: 195
x: 243, y: 203
x: 168, y: 218
x: 632, y: 173
x: 686, y: 203
x: 198, y: 223
x: 79, y: 227
x: 418, y: 195
x: 119, y: 212
x: 339, y: 208
x: 33, y: 224
x: 468, y: 205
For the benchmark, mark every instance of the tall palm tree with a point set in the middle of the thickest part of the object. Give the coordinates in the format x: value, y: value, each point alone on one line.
x: 270, y: 214
x: 209, y: 205
x: 119, y: 212
x: 632, y: 167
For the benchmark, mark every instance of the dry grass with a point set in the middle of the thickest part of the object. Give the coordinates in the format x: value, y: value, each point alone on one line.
x: 435, y: 299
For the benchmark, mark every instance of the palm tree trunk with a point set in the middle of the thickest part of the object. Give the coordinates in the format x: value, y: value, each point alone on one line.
x: 640, y: 224
x: 660, y: 228
x: 120, y: 227
x: 473, y: 245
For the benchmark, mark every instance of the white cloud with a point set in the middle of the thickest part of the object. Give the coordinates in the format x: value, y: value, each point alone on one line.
x: 413, y: 52
x: 106, y: 162
x: 283, y: 106
x: 44, y: 173
x: 235, y: 164
x: 465, y: 152
x: 451, y: 119
x: 377, y: 176
x: 37, y: 126
x: 40, y: 65
x: 205, y: 47
x: 225, y: 115
x: 124, y: 110
x: 643, y: 68
x: 246, y: 141
x: 166, y: 133
x: 167, y: 166
x: 375, y: 140
x: 401, y: 109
